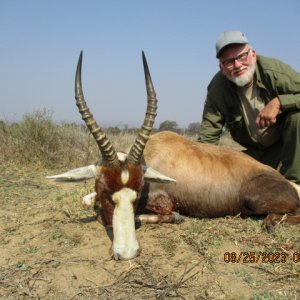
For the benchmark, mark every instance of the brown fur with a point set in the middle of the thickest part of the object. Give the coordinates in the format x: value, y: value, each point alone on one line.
x: 109, y: 182
x: 213, y: 181
x: 161, y: 202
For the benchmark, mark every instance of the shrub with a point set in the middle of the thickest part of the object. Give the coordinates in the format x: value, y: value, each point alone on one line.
x: 37, y: 139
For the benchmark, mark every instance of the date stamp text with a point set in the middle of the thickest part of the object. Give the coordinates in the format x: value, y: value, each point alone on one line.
x: 260, y: 257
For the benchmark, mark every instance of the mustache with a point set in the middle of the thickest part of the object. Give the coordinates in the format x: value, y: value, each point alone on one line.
x: 245, y: 79
x: 239, y: 70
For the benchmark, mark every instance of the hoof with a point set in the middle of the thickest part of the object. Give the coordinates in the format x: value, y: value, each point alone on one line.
x: 270, y: 229
x: 178, y: 217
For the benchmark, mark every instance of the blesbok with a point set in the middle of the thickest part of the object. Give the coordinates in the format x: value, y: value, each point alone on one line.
x: 198, y: 180
x: 119, y: 178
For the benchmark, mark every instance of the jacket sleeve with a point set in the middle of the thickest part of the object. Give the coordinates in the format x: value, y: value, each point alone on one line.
x: 287, y: 84
x: 212, y: 123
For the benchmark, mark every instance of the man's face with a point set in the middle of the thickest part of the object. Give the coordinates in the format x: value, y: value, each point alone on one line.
x: 237, y: 63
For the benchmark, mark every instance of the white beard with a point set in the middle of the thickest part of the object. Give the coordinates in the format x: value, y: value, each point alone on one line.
x: 245, y: 79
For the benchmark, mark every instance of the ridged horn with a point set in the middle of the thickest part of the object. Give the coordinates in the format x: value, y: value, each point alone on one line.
x: 138, y: 147
x: 109, y: 155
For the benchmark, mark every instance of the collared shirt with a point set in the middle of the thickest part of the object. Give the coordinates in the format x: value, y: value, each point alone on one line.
x: 252, y: 104
x: 223, y: 106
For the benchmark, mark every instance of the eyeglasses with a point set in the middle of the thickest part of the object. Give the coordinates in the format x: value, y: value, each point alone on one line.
x: 229, y: 63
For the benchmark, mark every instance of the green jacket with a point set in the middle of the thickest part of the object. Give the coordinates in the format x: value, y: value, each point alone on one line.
x: 223, y: 107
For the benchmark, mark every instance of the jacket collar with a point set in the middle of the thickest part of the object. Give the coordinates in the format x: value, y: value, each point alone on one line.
x: 258, y: 71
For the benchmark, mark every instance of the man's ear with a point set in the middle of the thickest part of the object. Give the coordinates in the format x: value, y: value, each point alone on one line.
x: 221, y: 68
x: 253, y: 53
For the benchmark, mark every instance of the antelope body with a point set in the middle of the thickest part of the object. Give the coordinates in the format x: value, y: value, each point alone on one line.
x: 198, y: 180
x: 213, y: 181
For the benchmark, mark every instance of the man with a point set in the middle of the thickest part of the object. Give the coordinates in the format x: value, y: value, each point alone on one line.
x: 258, y: 100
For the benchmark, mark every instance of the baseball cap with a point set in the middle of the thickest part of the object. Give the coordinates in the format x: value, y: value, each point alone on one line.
x: 228, y: 38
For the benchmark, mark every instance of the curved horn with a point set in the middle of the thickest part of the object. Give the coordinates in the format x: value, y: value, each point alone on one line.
x: 109, y: 155
x: 137, y: 148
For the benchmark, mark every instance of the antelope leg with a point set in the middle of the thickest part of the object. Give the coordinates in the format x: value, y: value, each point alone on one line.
x: 174, y: 217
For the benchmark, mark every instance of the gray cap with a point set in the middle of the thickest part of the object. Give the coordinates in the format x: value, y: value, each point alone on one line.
x: 228, y: 38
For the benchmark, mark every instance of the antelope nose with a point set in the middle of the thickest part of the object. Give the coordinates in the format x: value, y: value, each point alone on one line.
x: 126, y: 256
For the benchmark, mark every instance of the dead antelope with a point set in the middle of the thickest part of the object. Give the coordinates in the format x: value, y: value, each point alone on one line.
x: 208, y: 181
x: 119, y: 178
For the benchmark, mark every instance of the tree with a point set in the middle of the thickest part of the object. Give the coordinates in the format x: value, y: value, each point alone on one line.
x: 194, y: 127
x: 113, y: 130
x: 168, y: 125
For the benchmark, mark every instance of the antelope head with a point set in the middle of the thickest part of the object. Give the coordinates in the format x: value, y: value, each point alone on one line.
x: 119, y: 178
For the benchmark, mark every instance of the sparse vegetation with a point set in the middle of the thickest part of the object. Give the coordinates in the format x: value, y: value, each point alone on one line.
x: 168, y: 125
x: 53, y: 249
x: 38, y: 140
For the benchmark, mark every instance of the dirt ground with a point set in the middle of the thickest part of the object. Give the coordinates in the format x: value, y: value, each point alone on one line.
x: 53, y: 249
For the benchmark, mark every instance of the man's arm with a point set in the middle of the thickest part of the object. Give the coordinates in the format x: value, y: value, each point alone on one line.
x: 287, y: 83
x: 288, y: 86
x: 269, y: 113
x: 212, y: 124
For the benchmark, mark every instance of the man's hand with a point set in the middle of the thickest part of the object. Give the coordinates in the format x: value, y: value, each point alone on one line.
x: 268, y: 114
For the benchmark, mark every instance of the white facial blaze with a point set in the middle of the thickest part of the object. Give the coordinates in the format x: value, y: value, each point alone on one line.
x: 124, y: 177
x: 125, y: 244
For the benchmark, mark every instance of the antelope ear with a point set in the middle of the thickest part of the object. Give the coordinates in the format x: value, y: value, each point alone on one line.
x: 78, y: 174
x: 296, y: 187
x: 151, y: 175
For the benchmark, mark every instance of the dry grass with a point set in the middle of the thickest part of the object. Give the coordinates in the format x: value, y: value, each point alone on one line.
x: 53, y: 249
x: 37, y: 140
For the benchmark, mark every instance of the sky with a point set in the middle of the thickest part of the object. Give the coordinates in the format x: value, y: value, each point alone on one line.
x: 41, y: 41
